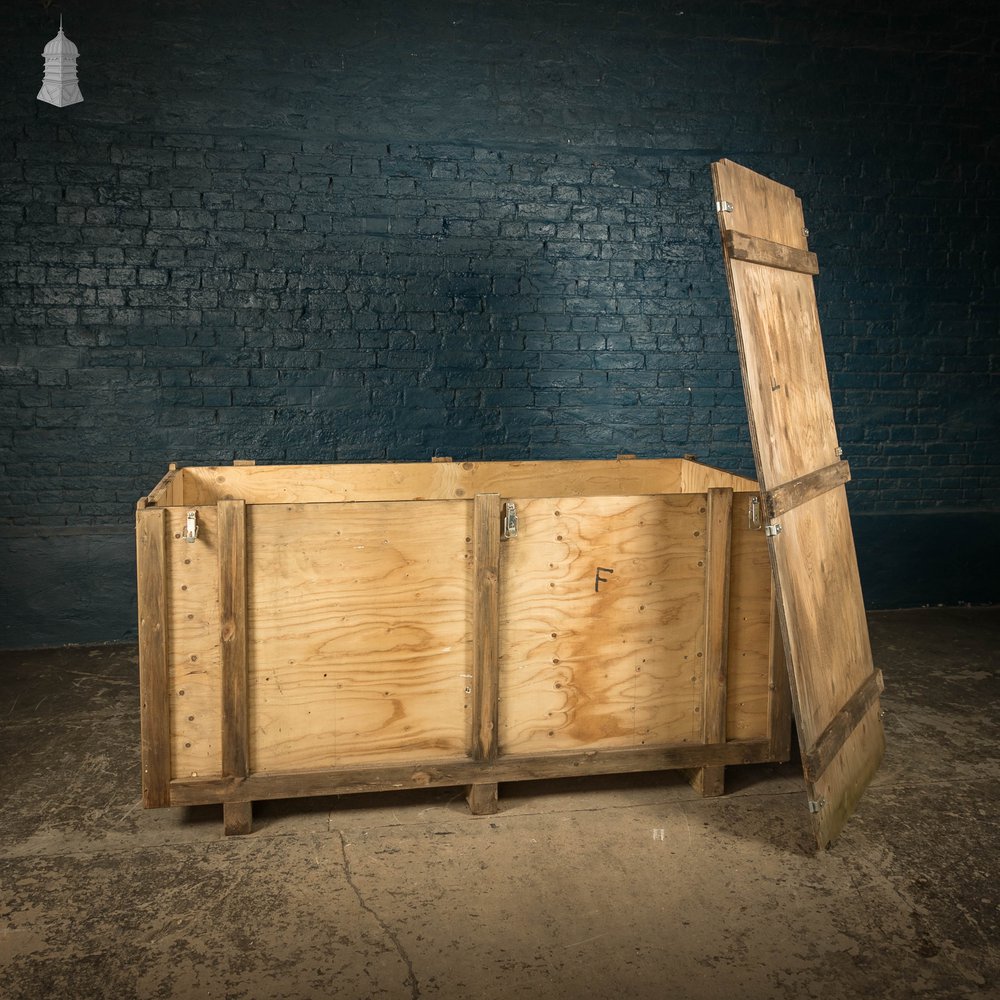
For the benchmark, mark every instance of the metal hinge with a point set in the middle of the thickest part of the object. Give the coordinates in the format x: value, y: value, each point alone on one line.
x: 816, y: 804
x: 772, y: 529
x: 753, y: 514
x: 723, y: 206
x: 509, y: 524
x: 191, y: 526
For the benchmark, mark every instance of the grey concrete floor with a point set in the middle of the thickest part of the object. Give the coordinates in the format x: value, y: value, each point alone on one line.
x: 569, y: 892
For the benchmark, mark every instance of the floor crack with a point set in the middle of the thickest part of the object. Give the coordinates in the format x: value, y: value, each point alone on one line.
x: 411, y: 976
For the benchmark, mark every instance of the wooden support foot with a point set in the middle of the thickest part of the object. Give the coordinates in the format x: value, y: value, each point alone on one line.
x: 707, y: 781
x: 482, y: 799
x: 237, y: 818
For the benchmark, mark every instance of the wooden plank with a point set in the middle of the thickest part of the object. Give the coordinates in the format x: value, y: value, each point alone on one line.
x: 839, y: 729
x: 718, y: 525
x: 436, y: 773
x: 601, y: 623
x: 154, y: 684
x: 244, y: 461
x: 267, y: 484
x: 789, y: 495
x: 237, y: 818
x: 758, y: 206
x: 748, y: 670
x: 361, y: 643
x: 794, y: 438
x: 697, y: 477
x: 755, y: 250
x: 194, y: 654
x: 233, y: 626
x: 485, y: 626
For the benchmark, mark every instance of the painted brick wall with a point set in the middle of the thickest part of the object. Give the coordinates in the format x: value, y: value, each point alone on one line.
x: 383, y: 231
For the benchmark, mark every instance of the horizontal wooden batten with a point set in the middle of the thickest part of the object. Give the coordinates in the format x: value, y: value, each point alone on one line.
x: 821, y: 754
x: 444, y: 773
x: 233, y: 637
x: 756, y: 250
x: 277, y: 484
x: 796, y: 492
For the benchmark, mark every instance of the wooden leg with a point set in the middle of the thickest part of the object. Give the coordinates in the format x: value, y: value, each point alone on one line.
x: 237, y: 818
x: 708, y: 781
x: 482, y: 799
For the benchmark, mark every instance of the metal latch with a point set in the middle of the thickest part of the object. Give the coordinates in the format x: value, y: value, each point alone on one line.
x: 509, y: 524
x: 772, y: 529
x: 816, y: 804
x: 191, y: 526
x: 723, y: 206
x: 753, y: 515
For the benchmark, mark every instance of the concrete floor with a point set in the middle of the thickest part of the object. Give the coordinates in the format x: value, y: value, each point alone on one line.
x: 569, y: 892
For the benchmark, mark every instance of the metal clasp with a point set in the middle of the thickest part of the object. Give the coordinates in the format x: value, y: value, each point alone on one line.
x: 191, y: 526
x: 723, y: 206
x: 509, y: 524
x: 753, y: 514
x: 772, y: 529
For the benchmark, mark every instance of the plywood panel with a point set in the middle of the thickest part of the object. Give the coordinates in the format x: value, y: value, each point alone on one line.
x: 360, y: 632
x: 193, y: 647
x: 601, y: 623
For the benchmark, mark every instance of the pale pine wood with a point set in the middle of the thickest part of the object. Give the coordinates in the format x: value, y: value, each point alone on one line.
x: 237, y: 818
x: 482, y: 799
x: 163, y: 493
x: 448, y: 480
x: 805, y: 488
x: 718, y: 522
x: 360, y: 639
x: 749, y: 669
x: 622, y: 666
x: 696, y: 477
x: 760, y: 207
x: 233, y: 623
x: 740, y: 246
x: 825, y: 625
x: 839, y: 729
x: 485, y: 626
x: 154, y: 712
x: 195, y: 657
x: 794, y: 438
x: 323, y: 590
x: 779, y: 709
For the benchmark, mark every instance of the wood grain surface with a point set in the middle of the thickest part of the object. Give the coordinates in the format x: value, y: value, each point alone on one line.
x: 360, y: 632
x: 602, y: 623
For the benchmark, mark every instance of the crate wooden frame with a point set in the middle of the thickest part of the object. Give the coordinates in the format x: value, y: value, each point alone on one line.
x: 215, y: 634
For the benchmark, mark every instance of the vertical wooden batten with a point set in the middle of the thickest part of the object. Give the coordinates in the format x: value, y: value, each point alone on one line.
x: 154, y: 675
x: 718, y: 548
x: 485, y: 644
x: 233, y: 648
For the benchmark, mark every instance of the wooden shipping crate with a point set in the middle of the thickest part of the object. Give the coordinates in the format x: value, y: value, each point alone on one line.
x: 309, y: 630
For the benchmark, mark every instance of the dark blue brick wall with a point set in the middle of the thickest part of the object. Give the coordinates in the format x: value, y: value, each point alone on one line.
x: 338, y: 232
